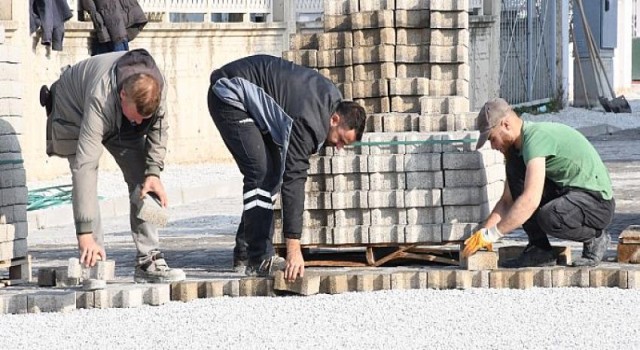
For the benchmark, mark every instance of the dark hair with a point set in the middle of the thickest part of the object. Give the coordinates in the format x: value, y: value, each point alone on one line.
x: 353, y: 116
x: 144, y: 91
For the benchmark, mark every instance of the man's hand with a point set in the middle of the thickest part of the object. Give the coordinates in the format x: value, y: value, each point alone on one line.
x: 153, y: 184
x: 483, y: 238
x: 90, y: 251
x: 295, y: 261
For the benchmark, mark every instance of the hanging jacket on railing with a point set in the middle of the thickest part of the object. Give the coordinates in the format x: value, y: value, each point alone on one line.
x: 115, y: 20
x: 49, y: 15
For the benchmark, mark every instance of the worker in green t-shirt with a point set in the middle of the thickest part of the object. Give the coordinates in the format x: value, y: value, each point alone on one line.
x: 557, y: 186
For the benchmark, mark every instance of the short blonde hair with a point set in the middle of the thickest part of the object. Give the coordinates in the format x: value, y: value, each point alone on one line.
x: 144, y: 91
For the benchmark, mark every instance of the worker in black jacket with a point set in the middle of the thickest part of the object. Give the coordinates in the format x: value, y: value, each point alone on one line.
x: 273, y: 115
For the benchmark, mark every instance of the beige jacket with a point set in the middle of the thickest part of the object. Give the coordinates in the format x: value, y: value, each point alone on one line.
x: 87, y: 112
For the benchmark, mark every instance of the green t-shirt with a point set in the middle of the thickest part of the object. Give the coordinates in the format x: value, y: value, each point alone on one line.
x: 570, y: 159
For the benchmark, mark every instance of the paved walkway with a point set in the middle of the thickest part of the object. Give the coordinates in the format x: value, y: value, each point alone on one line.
x: 200, y: 235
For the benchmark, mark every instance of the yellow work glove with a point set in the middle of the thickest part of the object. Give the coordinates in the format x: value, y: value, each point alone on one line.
x: 483, y: 238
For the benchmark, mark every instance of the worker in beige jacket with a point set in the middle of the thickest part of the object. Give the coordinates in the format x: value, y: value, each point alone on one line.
x: 115, y: 100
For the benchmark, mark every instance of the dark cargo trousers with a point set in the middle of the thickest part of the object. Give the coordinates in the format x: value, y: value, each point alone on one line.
x: 258, y: 159
x: 569, y: 213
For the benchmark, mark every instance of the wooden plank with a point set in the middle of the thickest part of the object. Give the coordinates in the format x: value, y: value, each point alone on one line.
x: 334, y: 263
x: 14, y: 262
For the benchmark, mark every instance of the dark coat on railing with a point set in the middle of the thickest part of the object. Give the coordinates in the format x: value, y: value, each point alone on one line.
x: 115, y: 20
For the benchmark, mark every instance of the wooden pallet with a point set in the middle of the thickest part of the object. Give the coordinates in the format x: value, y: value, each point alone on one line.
x: 19, y: 271
x: 375, y: 255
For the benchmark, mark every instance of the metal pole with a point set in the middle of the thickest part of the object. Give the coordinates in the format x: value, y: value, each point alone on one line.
x: 530, y: 50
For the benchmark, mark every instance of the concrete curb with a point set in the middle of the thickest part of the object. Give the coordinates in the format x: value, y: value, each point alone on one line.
x: 29, y: 299
x: 117, y: 206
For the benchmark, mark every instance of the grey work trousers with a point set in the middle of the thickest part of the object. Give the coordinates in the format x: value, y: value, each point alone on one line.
x: 130, y: 155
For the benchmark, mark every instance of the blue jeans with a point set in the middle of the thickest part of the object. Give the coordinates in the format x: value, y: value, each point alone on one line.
x: 99, y: 48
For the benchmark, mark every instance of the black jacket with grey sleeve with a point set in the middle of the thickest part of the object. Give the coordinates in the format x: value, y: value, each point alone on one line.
x: 294, y: 105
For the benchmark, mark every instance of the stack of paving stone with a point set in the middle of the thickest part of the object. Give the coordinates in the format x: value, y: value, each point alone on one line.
x: 13, y: 190
x: 416, y: 177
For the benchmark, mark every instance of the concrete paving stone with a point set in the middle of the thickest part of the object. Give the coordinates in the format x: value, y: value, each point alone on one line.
x: 9, y: 143
x: 418, y: 142
x: 349, y: 200
x: 374, y: 123
x: 374, y: 37
x: 337, y: 40
x: 213, y: 289
x: 384, y: 143
x: 341, y: 7
x: 308, y: 285
x: 307, y: 58
x: 386, y: 234
x: 374, y: 71
x: 51, y: 301
x: 13, y: 249
x: 451, y: 20
x: 13, y: 303
x: 422, y: 198
x: 448, y: 54
x: 466, y: 279
x: 85, y: 299
x: 315, y: 235
x: 346, y: 89
x: 479, y: 159
x: 126, y: 296
x: 424, y: 180
x: 319, y: 165
x: 419, y: 216
x: 458, y: 231
x: 460, y: 141
x: 449, y: 5
x: 412, y: 4
x: 386, y: 199
x: 352, y: 217
x: 340, y: 74
x: 350, y: 182
x: 318, y: 200
x: 374, y: 5
x: 415, y: 86
x: 74, y: 269
x: 315, y: 218
x: 13, y: 177
x: 255, y: 287
x: 467, y: 213
x: 628, y: 253
x: 7, y: 232
x: 608, y: 277
x: 370, y: 88
x: 449, y: 71
x: 481, y: 260
x: 103, y: 270
x: 408, y: 280
x: 441, y: 278
x: 412, y: 36
x: 184, y: 290
x: 543, y: 277
x: 449, y: 37
x: 457, y: 87
x: 571, y: 277
x: 319, y: 183
x: 156, y: 294
x: 472, y: 195
x: 411, y: 54
x: 406, y: 104
x: 334, y: 284
x: 412, y: 70
x: 385, y: 163
x: 335, y: 58
x: 232, y: 288
x: 375, y: 104
x: 399, y: 122
x: 303, y: 41
x: 348, y: 164
x: 412, y: 18
x: 423, y: 162
x: 337, y: 23
x: 424, y: 233
x: 388, y: 217
x: 387, y: 181
x: 12, y: 107
x: 47, y: 276
x: 373, y: 19
x: 374, y: 54
x: 633, y: 279
x: 444, y: 105
x: 9, y: 89
x: 511, y: 278
x: 350, y: 235
x: 474, y: 177
x: 369, y: 281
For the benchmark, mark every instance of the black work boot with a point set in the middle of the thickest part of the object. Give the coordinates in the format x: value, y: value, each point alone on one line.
x: 593, y: 250
x: 267, y: 267
x: 45, y: 98
x: 532, y: 256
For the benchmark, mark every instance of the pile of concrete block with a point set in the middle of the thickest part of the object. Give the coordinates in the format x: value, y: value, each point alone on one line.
x: 76, y: 274
x: 13, y: 190
x: 404, y: 61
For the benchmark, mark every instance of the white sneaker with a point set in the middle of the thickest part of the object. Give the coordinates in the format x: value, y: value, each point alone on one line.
x: 155, y: 270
